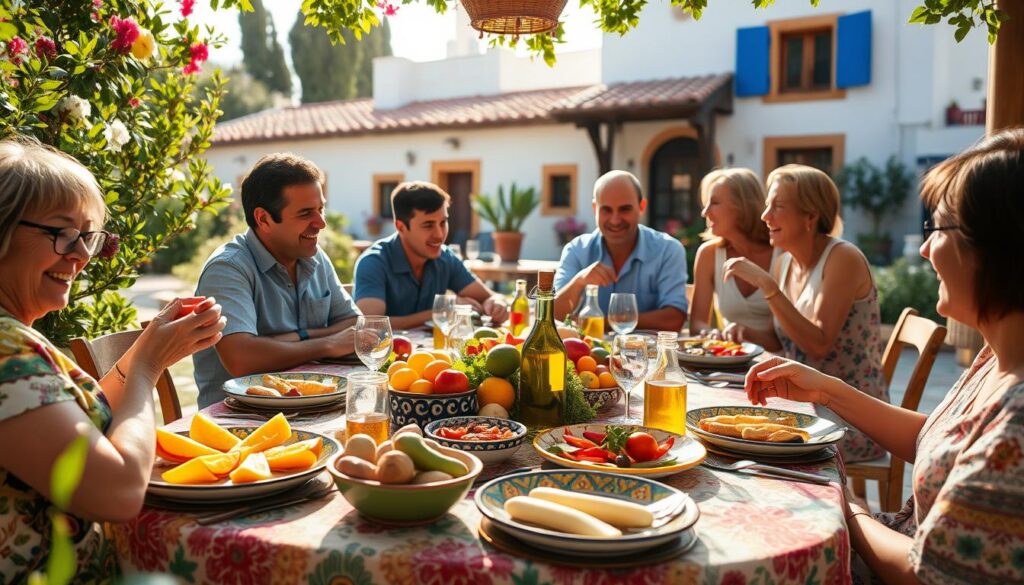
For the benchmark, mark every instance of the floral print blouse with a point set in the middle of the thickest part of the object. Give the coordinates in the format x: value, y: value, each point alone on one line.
x: 33, y: 374
x: 966, y: 515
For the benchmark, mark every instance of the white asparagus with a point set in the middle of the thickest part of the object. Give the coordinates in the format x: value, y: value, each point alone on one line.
x: 613, y: 511
x: 558, y: 517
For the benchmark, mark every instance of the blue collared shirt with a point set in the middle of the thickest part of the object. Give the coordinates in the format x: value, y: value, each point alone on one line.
x: 257, y: 297
x: 655, y: 272
x: 383, y: 272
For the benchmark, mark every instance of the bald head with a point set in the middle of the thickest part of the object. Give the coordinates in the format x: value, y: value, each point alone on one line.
x: 617, y: 180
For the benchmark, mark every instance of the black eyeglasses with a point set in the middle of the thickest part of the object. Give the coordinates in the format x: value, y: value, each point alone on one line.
x: 929, y: 227
x: 65, y: 239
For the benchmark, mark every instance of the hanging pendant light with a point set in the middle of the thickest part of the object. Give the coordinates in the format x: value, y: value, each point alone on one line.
x: 514, y: 17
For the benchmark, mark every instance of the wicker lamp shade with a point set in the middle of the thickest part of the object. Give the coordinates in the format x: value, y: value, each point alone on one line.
x: 514, y: 17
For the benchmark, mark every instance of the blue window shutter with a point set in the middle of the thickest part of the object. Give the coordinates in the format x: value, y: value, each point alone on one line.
x: 853, y: 50
x: 752, y: 55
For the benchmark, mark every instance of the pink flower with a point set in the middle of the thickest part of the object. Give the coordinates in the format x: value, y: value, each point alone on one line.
x: 97, y: 4
x: 198, y: 53
x: 110, y: 247
x: 15, y: 47
x: 134, y: 102
x: 126, y: 32
x: 186, y: 7
x: 46, y: 48
x: 388, y: 8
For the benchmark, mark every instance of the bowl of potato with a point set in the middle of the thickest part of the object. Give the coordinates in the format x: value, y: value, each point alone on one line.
x: 407, y: 480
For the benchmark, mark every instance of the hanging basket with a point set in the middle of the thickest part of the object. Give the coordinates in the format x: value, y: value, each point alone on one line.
x: 514, y: 17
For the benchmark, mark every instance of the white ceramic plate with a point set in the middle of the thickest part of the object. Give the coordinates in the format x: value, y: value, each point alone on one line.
x: 225, y: 490
x: 688, y: 452
x: 752, y: 350
x: 236, y: 387
x: 823, y: 431
x: 674, y: 511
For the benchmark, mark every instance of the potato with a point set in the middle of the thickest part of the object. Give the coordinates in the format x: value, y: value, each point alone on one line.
x: 395, y: 467
x: 382, y: 449
x: 494, y: 410
x: 430, y: 477
x: 356, y: 467
x: 362, y: 446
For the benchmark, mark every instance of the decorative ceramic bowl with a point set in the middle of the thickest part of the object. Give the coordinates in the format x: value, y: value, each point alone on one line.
x: 823, y: 432
x: 409, y: 407
x: 406, y: 504
x: 602, y: 398
x: 488, y: 451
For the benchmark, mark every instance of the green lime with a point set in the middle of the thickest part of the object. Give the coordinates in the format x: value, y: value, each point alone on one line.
x: 600, y: 355
x: 502, y: 360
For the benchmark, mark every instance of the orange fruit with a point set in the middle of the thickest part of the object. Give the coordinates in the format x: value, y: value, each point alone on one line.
x: 209, y: 433
x: 403, y: 378
x: 590, y: 380
x: 442, y: 355
x: 607, y: 380
x: 433, y: 369
x: 422, y: 387
x: 494, y: 390
x: 419, y: 360
x: 586, y: 364
x: 270, y: 434
x: 397, y: 365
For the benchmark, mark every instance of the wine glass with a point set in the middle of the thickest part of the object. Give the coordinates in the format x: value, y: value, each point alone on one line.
x: 373, y: 340
x: 628, y: 362
x: 442, y: 313
x: 472, y: 250
x: 456, y: 249
x: 622, y: 312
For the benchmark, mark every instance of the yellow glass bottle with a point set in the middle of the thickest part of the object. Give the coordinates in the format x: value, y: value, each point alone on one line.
x: 519, y: 318
x: 542, y: 377
x: 665, y: 388
x: 591, y: 317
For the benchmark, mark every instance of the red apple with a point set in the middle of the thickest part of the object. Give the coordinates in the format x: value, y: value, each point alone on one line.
x: 575, y: 349
x: 450, y: 382
x: 600, y: 369
x: 188, y: 305
x: 402, y: 346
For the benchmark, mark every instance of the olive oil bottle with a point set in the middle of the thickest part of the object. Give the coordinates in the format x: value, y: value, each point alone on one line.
x: 519, y: 318
x: 591, y: 318
x: 542, y: 377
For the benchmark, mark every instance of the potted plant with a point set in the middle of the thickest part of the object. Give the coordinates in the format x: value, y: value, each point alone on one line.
x: 507, y: 215
x: 568, y: 228
x: 879, y: 192
x: 954, y: 115
x: 374, y: 224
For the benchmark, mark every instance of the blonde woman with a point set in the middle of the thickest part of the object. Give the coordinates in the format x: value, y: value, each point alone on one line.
x: 733, y: 201
x: 823, y: 299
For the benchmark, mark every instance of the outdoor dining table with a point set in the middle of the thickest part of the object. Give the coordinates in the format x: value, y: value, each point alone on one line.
x: 752, y: 529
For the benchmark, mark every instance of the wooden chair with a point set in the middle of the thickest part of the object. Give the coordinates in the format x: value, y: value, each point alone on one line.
x: 99, y: 355
x: 927, y: 336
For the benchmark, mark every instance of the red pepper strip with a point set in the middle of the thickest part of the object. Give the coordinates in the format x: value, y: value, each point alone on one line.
x: 567, y: 432
x: 664, y: 447
x: 592, y: 459
x: 578, y: 442
x: 598, y: 452
x: 597, y: 438
x: 569, y: 455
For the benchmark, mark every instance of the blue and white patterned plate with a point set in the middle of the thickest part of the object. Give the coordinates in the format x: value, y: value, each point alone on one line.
x: 236, y: 387
x: 487, y: 451
x: 674, y: 511
x: 823, y: 431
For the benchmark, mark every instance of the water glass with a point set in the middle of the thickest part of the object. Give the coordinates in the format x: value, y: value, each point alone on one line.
x: 373, y: 340
x: 442, y: 313
x: 456, y: 249
x: 366, y: 406
x: 622, y: 313
x: 472, y: 250
x: 628, y: 362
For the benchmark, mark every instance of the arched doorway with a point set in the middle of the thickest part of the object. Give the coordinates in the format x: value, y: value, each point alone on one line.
x: 674, y: 176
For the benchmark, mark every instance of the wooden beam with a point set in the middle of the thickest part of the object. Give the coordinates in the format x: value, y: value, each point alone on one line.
x: 603, y: 145
x: 1005, y: 75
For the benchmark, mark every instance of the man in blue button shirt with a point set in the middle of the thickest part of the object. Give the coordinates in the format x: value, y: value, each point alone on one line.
x: 400, y: 274
x: 623, y: 256
x: 282, y: 299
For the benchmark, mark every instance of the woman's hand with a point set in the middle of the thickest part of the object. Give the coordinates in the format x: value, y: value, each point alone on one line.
x: 168, y: 339
x: 746, y: 270
x: 710, y: 334
x: 787, y: 379
x: 734, y: 332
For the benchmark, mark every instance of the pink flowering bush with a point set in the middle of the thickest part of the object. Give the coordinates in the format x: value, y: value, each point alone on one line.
x: 111, y: 83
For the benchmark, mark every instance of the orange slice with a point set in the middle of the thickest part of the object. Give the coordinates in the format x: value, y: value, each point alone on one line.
x: 254, y: 468
x: 209, y: 433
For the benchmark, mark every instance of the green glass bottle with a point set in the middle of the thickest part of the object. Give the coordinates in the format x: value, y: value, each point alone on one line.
x: 542, y: 377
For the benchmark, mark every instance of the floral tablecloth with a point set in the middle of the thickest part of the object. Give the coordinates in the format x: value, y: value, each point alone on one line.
x: 752, y: 530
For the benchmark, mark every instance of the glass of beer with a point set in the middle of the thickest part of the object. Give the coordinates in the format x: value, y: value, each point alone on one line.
x: 366, y: 406
x: 665, y: 405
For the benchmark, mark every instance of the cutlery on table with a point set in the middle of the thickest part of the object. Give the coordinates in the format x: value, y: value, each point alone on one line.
x: 748, y: 466
x: 213, y: 518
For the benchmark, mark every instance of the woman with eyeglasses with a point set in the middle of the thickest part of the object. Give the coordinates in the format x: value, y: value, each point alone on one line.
x: 965, y: 520
x: 51, y: 224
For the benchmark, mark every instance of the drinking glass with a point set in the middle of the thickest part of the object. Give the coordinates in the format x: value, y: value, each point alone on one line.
x: 472, y: 250
x: 622, y: 313
x: 373, y: 340
x: 628, y: 362
x: 456, y: 249
x: 366, y: 406
x: 443, y: 312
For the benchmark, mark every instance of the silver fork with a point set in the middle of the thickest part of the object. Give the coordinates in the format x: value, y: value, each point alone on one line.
x: 666, y: 509
x: 767, y: 470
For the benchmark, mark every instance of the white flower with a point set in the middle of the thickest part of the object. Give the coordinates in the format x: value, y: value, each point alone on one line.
x: 115, y: 174
x: 117, y: 135
x: 77, y: 109
x: 175, y: 175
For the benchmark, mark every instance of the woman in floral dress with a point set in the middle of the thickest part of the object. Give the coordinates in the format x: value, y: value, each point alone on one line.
x: 965, y: 520
x: 51, y: 216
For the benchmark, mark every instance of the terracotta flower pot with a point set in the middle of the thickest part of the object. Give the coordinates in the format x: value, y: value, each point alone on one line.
x: 508, y: 245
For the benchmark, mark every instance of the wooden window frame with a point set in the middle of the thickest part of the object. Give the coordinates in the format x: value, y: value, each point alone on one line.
x: 549, y: 171
x: 377, y: 180
x: 441, y: 167
x: 779, y: 28
x: 772, y: 145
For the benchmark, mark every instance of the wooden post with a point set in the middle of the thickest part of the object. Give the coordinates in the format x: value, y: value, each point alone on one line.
x: 1005, y: 103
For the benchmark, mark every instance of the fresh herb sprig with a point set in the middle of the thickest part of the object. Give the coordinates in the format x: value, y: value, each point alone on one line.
x: 616, y: 436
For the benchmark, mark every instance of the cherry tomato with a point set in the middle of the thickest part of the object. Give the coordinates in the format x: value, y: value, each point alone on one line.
x: 642, y: 446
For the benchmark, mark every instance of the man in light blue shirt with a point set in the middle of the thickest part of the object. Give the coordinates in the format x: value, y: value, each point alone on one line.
x: 623, y: 256
x: 282, y: 299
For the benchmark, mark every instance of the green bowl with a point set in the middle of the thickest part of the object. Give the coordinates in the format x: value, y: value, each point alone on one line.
x: 406, y: 505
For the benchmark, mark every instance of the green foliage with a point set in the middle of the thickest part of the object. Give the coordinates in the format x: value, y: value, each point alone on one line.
x: 904, y: 284
x: 133, y: 122
x: 350, y: 64
x: 878, y: 192
x: 963, y: 14
x: 243, y: 94
x: 337, y: 243
x: 262, y: 55
x: 506, y: 214
x: 61, y: 564
x: 189, y: 271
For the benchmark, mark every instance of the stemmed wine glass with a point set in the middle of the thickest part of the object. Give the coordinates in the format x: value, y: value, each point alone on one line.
x: 472, y: 250
x: 442, y: 313
x: 622, y: 313
x: 628, y: 362
x: 373, y: 340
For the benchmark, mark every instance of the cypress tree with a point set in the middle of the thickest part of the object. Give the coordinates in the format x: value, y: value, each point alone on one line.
x: 336, y: 72
x: 262, y: 55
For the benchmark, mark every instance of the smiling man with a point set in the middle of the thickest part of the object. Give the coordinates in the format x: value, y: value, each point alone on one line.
x: 623, y: 256
x: 282, y: 299
x: 400, y: 274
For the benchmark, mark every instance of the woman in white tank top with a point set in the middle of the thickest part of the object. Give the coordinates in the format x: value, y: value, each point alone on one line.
x: 733, y: 202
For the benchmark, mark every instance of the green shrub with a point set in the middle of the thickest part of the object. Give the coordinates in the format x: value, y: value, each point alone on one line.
x: 902, y: 285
